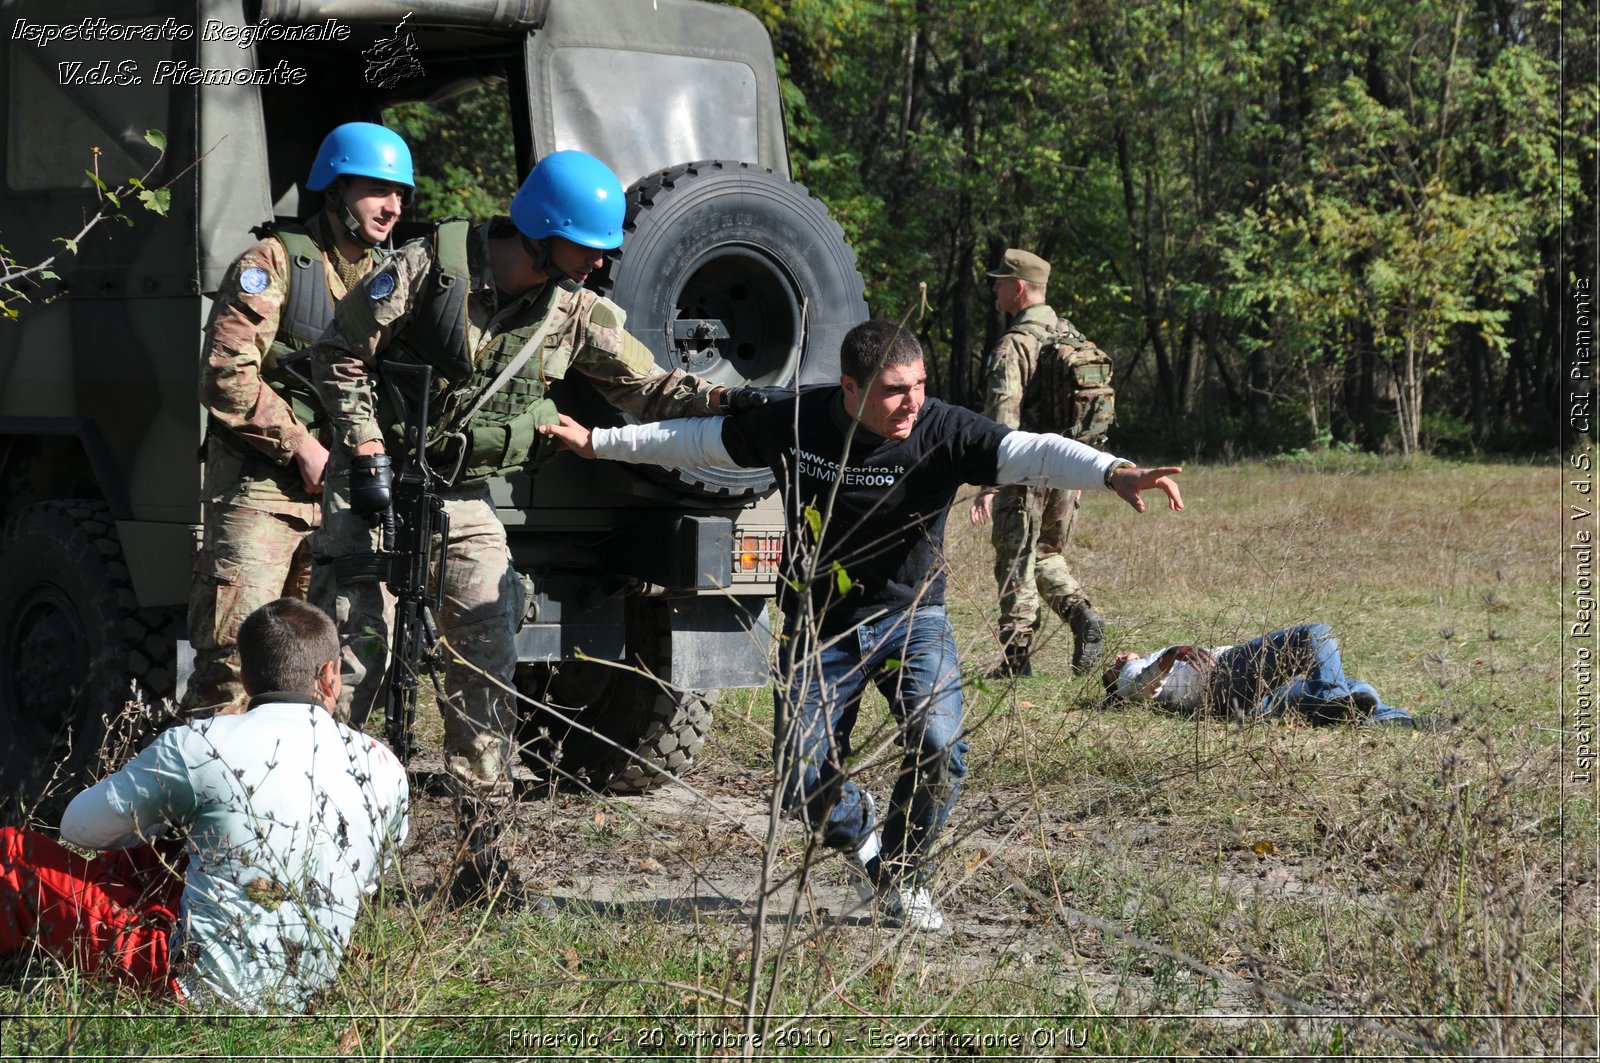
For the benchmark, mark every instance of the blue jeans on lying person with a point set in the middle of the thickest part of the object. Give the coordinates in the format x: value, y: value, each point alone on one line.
x: 910, y: 656
x: 1297, y: 669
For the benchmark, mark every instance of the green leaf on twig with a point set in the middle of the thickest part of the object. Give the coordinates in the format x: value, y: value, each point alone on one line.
x: 813, y: 517
x: 157, y: 200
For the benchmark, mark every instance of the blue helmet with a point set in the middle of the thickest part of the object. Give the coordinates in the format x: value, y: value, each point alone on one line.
x: 361, y: 149
x: 574, y: 195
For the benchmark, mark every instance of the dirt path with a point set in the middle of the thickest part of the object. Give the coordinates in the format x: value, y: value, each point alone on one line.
x: 690, y: 853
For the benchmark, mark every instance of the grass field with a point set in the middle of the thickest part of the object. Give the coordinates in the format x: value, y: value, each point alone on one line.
x: 1120, y: 883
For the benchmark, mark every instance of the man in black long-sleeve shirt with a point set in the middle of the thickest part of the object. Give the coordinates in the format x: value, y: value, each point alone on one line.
x: 868, y: 472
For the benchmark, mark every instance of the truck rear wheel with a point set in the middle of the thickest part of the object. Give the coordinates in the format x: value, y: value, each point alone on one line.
x: 72, y: 641
x: 614, y: 725
x: 657, y: 729
x: 717, y: 261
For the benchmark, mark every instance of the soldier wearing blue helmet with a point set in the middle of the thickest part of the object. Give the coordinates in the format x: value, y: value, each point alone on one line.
x: 353, y: 158
x: 265, y: 445
x: 575, y: 197
x: 497, y: 310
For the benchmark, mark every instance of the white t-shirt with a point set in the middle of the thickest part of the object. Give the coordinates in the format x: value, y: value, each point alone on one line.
x: 292, y: 818
x: 1183, y: 688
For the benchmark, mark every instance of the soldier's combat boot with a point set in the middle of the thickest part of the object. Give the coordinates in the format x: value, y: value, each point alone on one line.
x: 1088, y: 637
x: 481, y: 874
x: 1015, y: 664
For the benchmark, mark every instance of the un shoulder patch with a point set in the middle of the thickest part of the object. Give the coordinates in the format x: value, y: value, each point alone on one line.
x: 382, y: 285
x: 254, y: 280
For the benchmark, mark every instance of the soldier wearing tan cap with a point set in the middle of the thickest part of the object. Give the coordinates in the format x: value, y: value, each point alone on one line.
x: 1024, y: 266
x: 1030, y: 523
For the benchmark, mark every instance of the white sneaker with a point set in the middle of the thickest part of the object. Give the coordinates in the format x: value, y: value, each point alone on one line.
x: 914, y: 908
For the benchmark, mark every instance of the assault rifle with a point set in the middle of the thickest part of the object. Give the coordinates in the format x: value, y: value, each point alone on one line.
x: 409, y: 525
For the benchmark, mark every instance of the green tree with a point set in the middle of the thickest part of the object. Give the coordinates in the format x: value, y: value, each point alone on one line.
x: 1289, y: 223
x: 1402, y: 231
x: 464, y: 152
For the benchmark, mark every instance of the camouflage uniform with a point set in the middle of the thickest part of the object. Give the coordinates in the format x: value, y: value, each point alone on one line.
x: 258, y: 515
x: 1030, y: 524
x: 386, y: 316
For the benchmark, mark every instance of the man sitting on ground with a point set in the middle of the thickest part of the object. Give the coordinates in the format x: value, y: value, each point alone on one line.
x: 290, y: 817
x: 1293, y: 669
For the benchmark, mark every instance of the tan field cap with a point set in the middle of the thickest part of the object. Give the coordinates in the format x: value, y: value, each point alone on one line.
x: 1022, y: 264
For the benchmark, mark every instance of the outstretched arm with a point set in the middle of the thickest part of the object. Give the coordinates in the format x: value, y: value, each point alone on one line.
x: 681, y: 442
x: 570, y: 436
x: 1128, y: 480
x: 1049, y: 460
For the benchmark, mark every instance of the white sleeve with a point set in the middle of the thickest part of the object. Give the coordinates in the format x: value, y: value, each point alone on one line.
x: 92, y: 821
x: 1048, y: 460
x: 1131, y: 679
x: 684, y: 442
x: 137, y: 802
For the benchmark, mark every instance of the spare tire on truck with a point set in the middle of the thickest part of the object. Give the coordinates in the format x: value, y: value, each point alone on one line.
x: 717, y: 261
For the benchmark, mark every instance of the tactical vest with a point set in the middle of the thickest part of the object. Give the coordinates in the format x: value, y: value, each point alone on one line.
x: 307, y: 312
x: 501, y: 436
x: 1071, y: 389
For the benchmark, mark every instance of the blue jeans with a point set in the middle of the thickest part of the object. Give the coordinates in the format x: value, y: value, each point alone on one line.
x: 1298, y: 669
x: 910, y: 656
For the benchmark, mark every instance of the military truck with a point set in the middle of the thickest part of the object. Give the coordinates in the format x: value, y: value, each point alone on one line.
x: 649, y: 590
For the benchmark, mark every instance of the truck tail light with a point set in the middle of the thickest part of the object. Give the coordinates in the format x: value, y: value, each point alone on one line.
x: 758, y: 554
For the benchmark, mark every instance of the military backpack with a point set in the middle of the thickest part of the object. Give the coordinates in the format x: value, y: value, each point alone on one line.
x: 1071, y: 390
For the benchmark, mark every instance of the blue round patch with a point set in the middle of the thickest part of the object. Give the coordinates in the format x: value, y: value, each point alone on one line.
x: 382, y: 285
x: 254, y: 280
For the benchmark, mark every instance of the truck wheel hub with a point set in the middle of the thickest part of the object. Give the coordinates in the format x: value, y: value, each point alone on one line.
x: 47, y: 643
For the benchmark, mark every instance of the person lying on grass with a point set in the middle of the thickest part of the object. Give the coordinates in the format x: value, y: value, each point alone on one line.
x: 1296, y: 669
x: 290, y: 817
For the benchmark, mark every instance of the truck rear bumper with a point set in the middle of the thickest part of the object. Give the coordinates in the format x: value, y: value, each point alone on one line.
x: 714, y: 642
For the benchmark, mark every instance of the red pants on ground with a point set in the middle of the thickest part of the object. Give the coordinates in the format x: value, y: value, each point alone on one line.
x: 110, y: 916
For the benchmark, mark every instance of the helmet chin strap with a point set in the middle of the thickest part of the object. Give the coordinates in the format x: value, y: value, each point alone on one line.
x: 334, y: 202
x: 539, y: 251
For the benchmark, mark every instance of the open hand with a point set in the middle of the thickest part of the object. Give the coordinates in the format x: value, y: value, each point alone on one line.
x: 1129, y: 480
x: 982, y: 508
x: 570, y: 435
